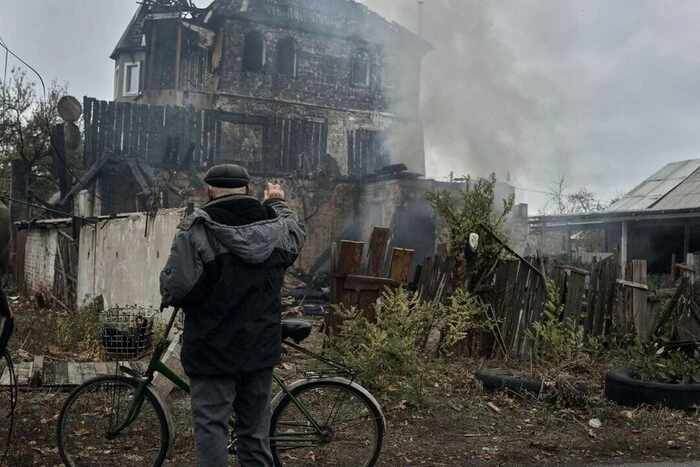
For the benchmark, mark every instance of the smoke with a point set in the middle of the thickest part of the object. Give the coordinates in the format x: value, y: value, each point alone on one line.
x: 473, y: 115
x: 477, y: 113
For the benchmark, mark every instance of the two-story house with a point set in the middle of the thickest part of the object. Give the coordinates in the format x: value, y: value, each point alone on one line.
x: 297, y: 85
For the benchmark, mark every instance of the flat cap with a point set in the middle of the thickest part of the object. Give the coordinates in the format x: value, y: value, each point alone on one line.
x: 227, y: 176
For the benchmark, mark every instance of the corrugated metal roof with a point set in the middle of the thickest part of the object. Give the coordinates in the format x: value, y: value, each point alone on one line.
x: 675, y: 186
x: 685, y: 195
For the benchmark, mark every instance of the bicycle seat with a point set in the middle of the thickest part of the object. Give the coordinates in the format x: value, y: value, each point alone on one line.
x: 295, y: 329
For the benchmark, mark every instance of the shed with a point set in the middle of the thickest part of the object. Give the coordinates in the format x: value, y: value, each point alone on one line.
x: 656, y: 220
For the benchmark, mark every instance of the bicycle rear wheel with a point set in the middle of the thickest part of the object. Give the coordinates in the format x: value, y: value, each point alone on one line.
x: 85, y: 428
x: 352, y: 426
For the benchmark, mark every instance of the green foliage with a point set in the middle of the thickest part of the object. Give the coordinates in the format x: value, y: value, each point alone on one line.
x: 26, y: 120
x: 556, y: 342
x: 474, y: 204
x: 389, y: 351
x: 80, y: 332
x: 665, y: 366
x: 454, y: 321
x: 553, y: 305
x: 8, y: 284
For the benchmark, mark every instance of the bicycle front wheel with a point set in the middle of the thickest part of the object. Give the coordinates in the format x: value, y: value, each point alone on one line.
x: 350, y: 426
x: 85, y: 431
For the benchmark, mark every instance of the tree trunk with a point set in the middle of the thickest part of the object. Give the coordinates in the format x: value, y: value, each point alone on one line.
x: 20, y: 189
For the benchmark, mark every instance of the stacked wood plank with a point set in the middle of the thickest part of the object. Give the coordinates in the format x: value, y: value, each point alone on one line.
x: 41, y: 373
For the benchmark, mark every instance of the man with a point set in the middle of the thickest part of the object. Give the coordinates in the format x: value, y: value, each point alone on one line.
x: 225, y: 270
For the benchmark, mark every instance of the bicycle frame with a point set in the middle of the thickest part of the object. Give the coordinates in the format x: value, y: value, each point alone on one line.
x: 155, y: 365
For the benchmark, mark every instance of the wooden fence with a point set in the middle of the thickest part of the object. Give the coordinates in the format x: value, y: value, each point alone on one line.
x: 354, y: 286
x: 183, y: 137
x: 520, y: 292
x: 65, y: 284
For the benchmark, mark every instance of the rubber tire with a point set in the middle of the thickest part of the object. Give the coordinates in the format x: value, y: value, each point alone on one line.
x: 150, y: 398
x: 373, y: 408
x: 497, y: 379
x: 622, y: 388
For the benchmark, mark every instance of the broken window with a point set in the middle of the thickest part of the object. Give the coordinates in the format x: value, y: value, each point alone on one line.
x: 390, y: 72
x: 365, y: 152
x: 132, y: 75
x: 254, y: 52
x: 361, y: 66
x: 287, y: 57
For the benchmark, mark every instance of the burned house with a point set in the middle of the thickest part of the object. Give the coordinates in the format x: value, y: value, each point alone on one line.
x: 293, y: 86
x: 323, y: 94
x: 320, y: 95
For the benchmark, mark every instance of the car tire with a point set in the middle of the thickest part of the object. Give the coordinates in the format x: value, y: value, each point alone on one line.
x: 622, y: 388
x: 497, y: 379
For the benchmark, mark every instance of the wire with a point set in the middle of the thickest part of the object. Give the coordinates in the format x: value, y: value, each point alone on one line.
x: 53, y: 143
x: 56, y: 211
x: 532, y: 191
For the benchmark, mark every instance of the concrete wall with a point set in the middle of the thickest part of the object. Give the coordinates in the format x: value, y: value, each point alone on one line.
x: 121, y: 261
x: 40, y: 258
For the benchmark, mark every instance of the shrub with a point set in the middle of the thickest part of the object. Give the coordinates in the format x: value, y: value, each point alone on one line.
x: 475, y: 204
x: 662, y: 365
x: 79, y: 332
x: 389, y: 350
x: 558, y: 344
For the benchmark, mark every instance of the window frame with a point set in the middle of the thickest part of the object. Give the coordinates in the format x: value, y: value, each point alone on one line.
x: 263, y: 62
x: 389, y: 76
x: 361, y: 55
x: 126, y: 82
x: 295, y: 48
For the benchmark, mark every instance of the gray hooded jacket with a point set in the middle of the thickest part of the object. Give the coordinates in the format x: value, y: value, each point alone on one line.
x: 227, y: 275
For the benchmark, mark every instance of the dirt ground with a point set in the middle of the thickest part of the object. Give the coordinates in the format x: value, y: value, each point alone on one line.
x: 462, y: 425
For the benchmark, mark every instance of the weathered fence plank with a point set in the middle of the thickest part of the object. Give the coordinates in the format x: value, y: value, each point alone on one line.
x: 400, y: 265
x: 574, y: 295
x: 378, y: 243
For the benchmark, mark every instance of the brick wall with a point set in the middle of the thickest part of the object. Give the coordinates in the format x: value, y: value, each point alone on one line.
x: 323, y: 71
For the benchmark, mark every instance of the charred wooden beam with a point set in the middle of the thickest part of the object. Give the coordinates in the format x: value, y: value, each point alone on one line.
x: 86, y: 178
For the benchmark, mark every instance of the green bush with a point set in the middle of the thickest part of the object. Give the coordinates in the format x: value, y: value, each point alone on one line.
x: 80, y: 332
x: 558, y: 343
x: 454, y: 321
x: 389, y: 350
x: 475, y: 204
x: 665, y: 366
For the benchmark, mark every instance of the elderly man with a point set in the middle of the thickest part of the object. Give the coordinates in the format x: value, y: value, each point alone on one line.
x: 225, y: 270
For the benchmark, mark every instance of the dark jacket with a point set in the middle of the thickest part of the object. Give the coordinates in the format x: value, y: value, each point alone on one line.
x: 226, y: 269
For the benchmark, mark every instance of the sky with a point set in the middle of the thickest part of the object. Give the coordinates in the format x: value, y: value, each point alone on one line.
x: 600, y: 92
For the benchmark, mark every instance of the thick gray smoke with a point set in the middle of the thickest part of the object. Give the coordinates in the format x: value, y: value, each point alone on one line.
x: 600, y: 92
x: 476, y: 118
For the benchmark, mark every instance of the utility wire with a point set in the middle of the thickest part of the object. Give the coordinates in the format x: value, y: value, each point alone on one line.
x: 53, y: 143
x: 532, y: 191
x: 56, y: 211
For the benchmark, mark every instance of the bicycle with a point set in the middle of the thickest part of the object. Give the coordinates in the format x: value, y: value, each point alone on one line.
x: 324, y: 418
